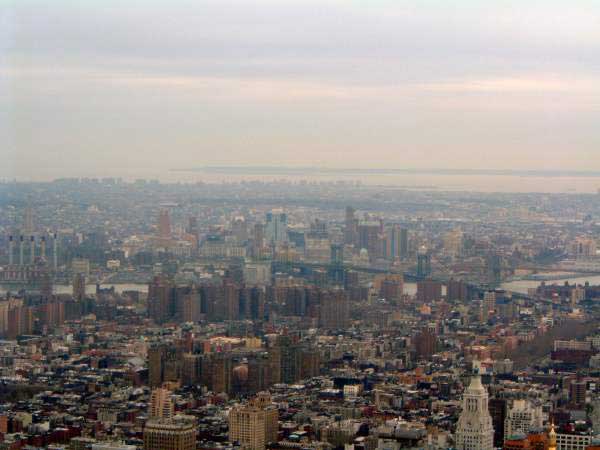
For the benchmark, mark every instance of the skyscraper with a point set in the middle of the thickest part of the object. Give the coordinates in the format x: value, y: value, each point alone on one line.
x: 164, y: 225
x: 334, y: 309
x: 474, y: 430
x: 28, y: 224
x: 161, y: 404
x: 276, y: 227
x: 169, y: 435
x: 254, y: 425
x: 397, y: 240
x: 522, y: 417
x: 160, y: 299
x: 350, y: 227
x: 423, y: 263
x: 79, y: 286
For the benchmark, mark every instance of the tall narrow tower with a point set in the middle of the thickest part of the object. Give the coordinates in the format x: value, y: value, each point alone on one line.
x: 28, y: 225
x: 164, y: 224
x: 32, y: 249
x: 55, y: 252
x: 475, y: 430
x: 11, y: 245
x: 21, y: 244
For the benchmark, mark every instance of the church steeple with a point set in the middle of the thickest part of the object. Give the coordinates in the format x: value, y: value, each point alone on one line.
x: 552, y: 438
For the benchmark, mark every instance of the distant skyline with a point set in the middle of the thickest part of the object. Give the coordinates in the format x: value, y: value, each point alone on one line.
x: 107, y: 88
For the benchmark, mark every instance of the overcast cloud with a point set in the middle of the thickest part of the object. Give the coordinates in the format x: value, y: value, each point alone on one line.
x: 90, y: 87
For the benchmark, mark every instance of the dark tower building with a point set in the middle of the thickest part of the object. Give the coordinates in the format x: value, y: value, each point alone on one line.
x: 497, y: 408
x: 164, y: 225
x: 428, y: 291
x: 160, y: 300
x: 457, y: 290
x: 423, y: 264
x: 350, y: 227
x: 79, y: 287
x: 334, y: 309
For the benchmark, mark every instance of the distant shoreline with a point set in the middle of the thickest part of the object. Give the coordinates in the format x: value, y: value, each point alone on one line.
x: 285, y: 170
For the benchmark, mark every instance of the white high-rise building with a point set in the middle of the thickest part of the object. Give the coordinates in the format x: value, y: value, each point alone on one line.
x: 522, y: 417
x: 475, y: 430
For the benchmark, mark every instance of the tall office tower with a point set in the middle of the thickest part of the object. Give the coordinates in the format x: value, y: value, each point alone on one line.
x: 274, y: 362
x: 256, y: 303
x: 577, y: 392
x: 334, y: 309
x: 28, y: 225
x: 21, y: 249
x: 156, y: 355
x: 172, y: 364
x: 595, y: 416
x: 423, y: 263
x: 191, y: 369
x: 350, y: 227
x: 276, y: 227
x: 46, y: 286
x: 494, y: 268
x: 583, y: 247
x: 403, y: 243
x: 192, y: 226
x: 190, y: 307
x: 337, y: 263
x: 489, y: 303
x: 522, y: 417
x: 55, y: 252
x: 32, y: 249
x: 11, y: 245
x: 289, y: 358
x: 164, y: 224
x: 254, y: 425
x: 453, y: 242
x: 310, y: 363
x: 425, y: 343
x: 337, y: 254
x: 258, y: 373
x: 174, y: 434
x: 394, y: 242
x: 43, y: 248
x: 164, y: 364
x: 160, y: 300
x: 368, y: 238
x: 259, y: 235
x: 474, y: 429
x: 231, y: 300
x: 391, y: 287
x: 79, y: 287
x: 161, y: 404
x: 428, y: 291
x: 457, y: 290
x: 239, y: 230
x: 498, y: 408
x: 216, y: 372
x: 19, y: 320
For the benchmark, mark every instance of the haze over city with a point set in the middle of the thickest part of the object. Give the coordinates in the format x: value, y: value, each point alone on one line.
x: 91, y: 88
x: 300, y: 225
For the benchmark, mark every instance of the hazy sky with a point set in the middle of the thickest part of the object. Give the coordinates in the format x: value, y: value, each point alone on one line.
x: 93, y: 87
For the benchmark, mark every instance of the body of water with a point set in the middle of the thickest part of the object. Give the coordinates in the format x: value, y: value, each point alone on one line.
x: 467, y: 180
x: 521, y: 286
x: 91, y: 288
